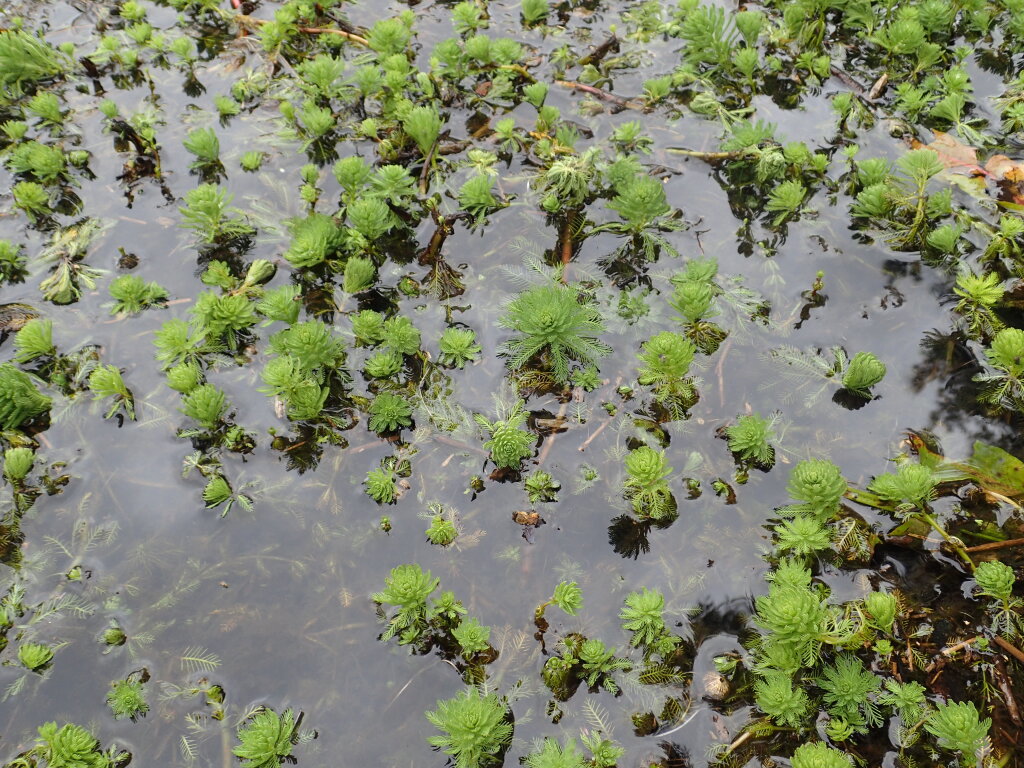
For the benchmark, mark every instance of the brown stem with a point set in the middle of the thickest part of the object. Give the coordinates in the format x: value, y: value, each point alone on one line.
x: 709, y: 156
x: 565, y: 244
x: 994, y: 545
x: 243, y: 19
x: 600, y: 52
x: 603, y: 95
x: 1017, y: 653
x: 428, y: 162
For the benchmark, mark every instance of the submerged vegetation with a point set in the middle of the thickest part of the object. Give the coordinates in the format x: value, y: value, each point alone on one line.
x: 308, y: 302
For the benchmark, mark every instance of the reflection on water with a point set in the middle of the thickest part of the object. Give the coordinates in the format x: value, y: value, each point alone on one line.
x: 274, y: 604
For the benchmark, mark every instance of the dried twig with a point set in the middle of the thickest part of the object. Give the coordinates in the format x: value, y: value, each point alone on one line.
x: 1017, y: 653
x: 352, y: 37
x: 994, y: 545
x: 603, y: 95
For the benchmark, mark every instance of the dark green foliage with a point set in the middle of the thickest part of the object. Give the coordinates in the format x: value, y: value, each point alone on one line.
x: 389, y: 412
x: 458, y: 346
x: 552, y: 322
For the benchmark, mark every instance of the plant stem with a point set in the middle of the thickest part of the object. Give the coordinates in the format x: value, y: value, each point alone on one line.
x: 955, y: 544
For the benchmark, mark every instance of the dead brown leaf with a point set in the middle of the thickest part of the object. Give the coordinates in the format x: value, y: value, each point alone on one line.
x: 1009, y: 174
x: 952, y: 152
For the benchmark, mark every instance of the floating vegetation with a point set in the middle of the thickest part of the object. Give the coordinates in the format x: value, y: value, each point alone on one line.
x: 305, y: 303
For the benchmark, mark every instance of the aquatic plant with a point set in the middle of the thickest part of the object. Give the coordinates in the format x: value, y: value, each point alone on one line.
x: 458, y: 346
x: 996, y: 580
x: 475, y: 728
x: 266, y: 738
x: 802, y: 535
x: 959, y: 728
x: 819, y: 755
x: 205, y: 404
x: 911, y: 487
x: 381, y: 485
x: 132, y: 295
x: 1004, y: 386
x: 204, y: 144
x: 312, y: 343
x: 646, y: 483
x: 643, y: 615
x: 282, y: 304
x: 106, y: 381
x: 34, y: 340
x: 552, y: 754
x: 882, y: 607
x: 666, y: 359
x: 71, y: 746
x: 906, y: 699
x: 442, y: 532
x: 400, y: 335
x: 34, y: 656
x: 786, y: 200
x: 383, y: 365
x: 508, y: 445
x: 359, y: 275
x: 19, y: 398
x: 368, y: 327
x: 599, y: 664
x: 26, y: 60
x: 567, y: 596
x: 209, y: 214
x: 863, y: 372
x: 407, y: 587
x: 551, y: 321
x: 423, y: 124
x: 776, y: 696
x: 388, y: 412
x: 472, y: 637
x: 750, y: 439
x: 847, y: 690
x: 818, y: 485
x: 126, y: 698
x: 18, y: 463
x: 541, y: 487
